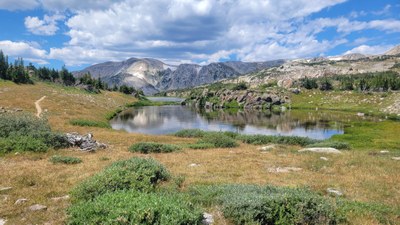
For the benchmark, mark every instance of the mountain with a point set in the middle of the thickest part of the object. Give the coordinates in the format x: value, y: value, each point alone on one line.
x: 153, y: 76
x: 393, y: 51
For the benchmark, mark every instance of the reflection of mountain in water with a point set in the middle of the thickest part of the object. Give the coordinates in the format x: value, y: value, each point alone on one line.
x: 169, y: 119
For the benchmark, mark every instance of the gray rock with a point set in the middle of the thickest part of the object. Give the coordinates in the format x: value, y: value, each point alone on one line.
x: 5, y: 189
x: 396, y: 158
x: 284, y: 169
x: 56, y: 199
x: 37, y: 207
x: 85, y: 142
x: 384, y: 152
x: 21, y: 201
x: 3, y: 221
x: 266, y: 148
x: 193, y: 165
x: 324, y: 158
x: 207, y: 219
x: 321, y: 150
x: 335, y: 192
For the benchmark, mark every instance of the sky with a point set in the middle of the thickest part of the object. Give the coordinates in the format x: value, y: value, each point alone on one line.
x: 78, y: 33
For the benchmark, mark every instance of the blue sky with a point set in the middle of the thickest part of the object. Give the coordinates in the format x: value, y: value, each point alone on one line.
x: 80, y: 33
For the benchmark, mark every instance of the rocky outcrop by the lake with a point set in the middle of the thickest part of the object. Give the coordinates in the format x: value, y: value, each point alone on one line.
x: 247, y: 99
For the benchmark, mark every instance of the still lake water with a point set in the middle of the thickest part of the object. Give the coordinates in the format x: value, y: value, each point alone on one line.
x: 172, y: 118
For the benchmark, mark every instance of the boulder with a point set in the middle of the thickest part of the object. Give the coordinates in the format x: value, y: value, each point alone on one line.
x: 321, y: 150
x: 56, y: 199
x: 2, y: 221
x: 85, y: 142
x: 396, y: 158
x: 266, y: 148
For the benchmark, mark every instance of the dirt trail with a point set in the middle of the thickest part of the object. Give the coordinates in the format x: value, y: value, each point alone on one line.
x: 38, y: 108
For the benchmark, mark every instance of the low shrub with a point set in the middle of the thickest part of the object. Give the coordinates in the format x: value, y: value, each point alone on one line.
x: 21, y: 144
x: 89, y: 123
x: 219, y: 140
x: 132, y: 207
x: 64, y: 159
x: 25, y: 132
x: 136, y: 173
x: 331, y: 144
x: 201, y: 145
x: 250, y: 204
x: 266, y: 139
x: 190, y: 133
x: 151, y: 147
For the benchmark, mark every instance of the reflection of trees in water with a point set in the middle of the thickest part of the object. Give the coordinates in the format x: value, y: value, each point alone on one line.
x: 285, y: 121
x: 153, y: 116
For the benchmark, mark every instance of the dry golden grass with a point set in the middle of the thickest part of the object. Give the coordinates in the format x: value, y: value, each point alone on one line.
x: 362, y: 176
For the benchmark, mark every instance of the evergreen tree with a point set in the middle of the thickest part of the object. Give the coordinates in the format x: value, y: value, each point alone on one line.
x: 67, y: 77
x: 3, y: 66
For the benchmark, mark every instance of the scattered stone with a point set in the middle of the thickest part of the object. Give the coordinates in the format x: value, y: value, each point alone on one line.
x: 384, y: 152
x: 283, y: 169
x: 2, y: 221
x: 85, y: 142
x: 66, y: 197
x: 207, y: 219
x: 5, y: 189
x: 37, y: 207
x: 360, y: 114
x: 324, y: 158
x: 193, y: 165
x: 396, y: 158
x: 321, y: 150
x: 21, y: 201
x: 335, y: 192
x: 266, y: 148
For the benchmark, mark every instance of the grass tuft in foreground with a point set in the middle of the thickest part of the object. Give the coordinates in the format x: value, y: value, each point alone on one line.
x: 89, y: 123
x: 331, y: 144
x: 152, y: 147
x: 136, y: 173
x: 65, y: 159
x: 190, y: 133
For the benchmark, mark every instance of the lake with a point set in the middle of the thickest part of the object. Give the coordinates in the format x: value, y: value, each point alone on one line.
x: 172, y: 118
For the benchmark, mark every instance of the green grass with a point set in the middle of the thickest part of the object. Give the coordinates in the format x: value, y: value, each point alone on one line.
x: 152, y: 147
x: 133, y: 174
x: 65, y: 159
x: 218, y: 139
x: 201, y: 145
x: 89, y: 123
x: 132, y: 207
x: 190, y: 133
x: 371, y: 135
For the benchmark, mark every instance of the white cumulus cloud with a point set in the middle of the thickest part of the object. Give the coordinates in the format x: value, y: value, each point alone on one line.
x: 370, y: 50
x: 45, y: 26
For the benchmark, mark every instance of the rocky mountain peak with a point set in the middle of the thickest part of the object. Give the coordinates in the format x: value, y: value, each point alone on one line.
x: 394, y: 51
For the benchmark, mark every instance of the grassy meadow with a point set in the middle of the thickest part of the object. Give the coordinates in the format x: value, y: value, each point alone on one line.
x: 369, y: 179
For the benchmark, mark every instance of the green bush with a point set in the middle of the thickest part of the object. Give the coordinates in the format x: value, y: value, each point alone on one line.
x: 25, y: 132
x: 21, y: 144
x: 219, y: 140
x: 132, y: 207
x: 201, y: 145
x: 190, y: 133
x: 151, y: 147
x: 250, y: 204
x: 331, y: 144
x: 136, y: 173
x: 64, y: 159
x: 266, y: 139
x: 89, y: 123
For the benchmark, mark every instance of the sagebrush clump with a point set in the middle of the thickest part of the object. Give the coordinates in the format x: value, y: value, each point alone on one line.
x: 152, y: 147
x: 251, y: 204
x: 64, y: 159
x: 25, y: 132
x: 136, y: 173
